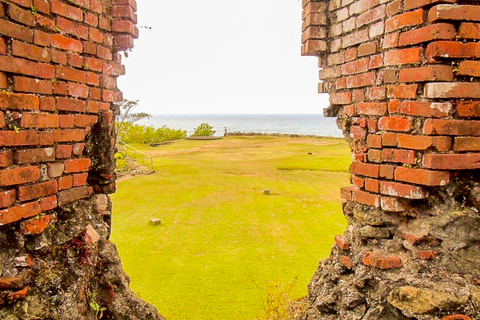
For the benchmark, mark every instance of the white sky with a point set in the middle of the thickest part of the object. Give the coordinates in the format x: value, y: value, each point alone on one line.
x: 219, y: 56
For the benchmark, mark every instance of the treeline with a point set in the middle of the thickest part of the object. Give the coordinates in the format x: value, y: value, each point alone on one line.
x: 134, y: 133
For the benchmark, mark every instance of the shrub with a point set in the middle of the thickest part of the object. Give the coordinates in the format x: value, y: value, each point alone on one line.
x: 204, y: 130
x: 134, y: 133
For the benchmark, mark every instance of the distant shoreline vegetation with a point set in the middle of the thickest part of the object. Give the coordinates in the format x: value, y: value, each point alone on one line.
x: 135, y: 133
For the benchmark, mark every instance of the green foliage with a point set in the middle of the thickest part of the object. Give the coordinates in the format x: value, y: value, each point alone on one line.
x: 204, y: 130
x: 122, y: 164
x: 134, y: 133
x: 220, y: 232
x: 96, y: 307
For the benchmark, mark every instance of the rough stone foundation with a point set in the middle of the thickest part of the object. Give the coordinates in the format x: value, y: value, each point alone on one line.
x: 403, y: 78
x: 59, y: 63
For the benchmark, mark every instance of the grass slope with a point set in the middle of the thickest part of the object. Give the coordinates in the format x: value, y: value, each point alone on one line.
x: 220, y: 237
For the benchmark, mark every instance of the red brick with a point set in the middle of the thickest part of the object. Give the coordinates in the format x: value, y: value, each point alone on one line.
x: 21, y: 138
x: 73, y: 105
x: 366, y: 198
x: 16, y: 31
x: 92, y: 19
x: 427, y: 73
x: 357, y: 181
x: 71, y: 74
x: 362, y: 6
x: 402, y: 56
x: 374, y: 155
x: 427, y: 254
x: 372, y: 185
x: 19, y: 176
x: 407, y: 19
x: 25, y: 210
x: 341, y: 98
x: 469, y: 30
x: 37, y: 190
x: 467, y: 144
x: 452, y: 127
x: 390, y: 40
x: 66, y: 10
x: 67, y: 135
x: 75, y: 60
x: 18, y: 281
x: 66, y: 120
x: 70, y: 195
x: 346, y: 193
x: 42, y: 6
x: 47, y: 104
x: 18, y: 101
x: 456, y: 317
x: 356, y: 66
x: 398, y: 155
x: 451, y: 161
x: 36, y: 226
x: 392, y: 205
x: 21, y: 84
x: 39, y: 120
x: 417, y: 142
x: 402, y: 91
x: 346, y: 261
x: 468, y: 108
x: 42, y: 38
x: 422, y: 177
x: 113, y: 69
x: 104, y: 53
x: 29, y: 156
x: 367, y: 48
x: 66, y: 43
x: 80, y: 179
x: 376, y: 61
x: 355, y: 38
x: 381, y: 261
x: 386, y: 171
x: 3, y: 81
x: 20, y: 15
x: 402, y: 190
x: 342, y: 243
x: 423, y: 109
x: 454, y: 12
x: 65, y: 182
x: 60, y: 88
x: 85, y: 120
x: 361, y: 80
x: 374, y: 141
x: 26, y: 67
x: 79, y: 90
x: 395, y: 124
x: 364, y: 169
x: 452, y: 49
x: 394, y: 7
x: 370, y: 16
x: 469, y: 68
x: 18, y: 295
x: 6, y: 158
x: 77, y: 165
x: 55, y: 170
x: 439, y: 31
x: 48, y: 203
x: 78, y: 148
x: 7, y: 198
x: 31, y: 52
x: 376, y: 93
x: 371, y: 108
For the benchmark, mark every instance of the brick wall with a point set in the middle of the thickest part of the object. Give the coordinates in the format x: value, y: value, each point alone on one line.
x: 402, y: 77
x: 59, y: 63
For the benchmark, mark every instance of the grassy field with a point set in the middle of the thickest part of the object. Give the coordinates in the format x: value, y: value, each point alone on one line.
x: 223, y: 244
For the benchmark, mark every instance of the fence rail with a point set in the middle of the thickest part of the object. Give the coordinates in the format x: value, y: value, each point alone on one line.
x: 136, y: 152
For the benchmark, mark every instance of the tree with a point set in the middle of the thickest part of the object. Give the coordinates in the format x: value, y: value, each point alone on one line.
x: 126, y: 116
x: 204, y: 130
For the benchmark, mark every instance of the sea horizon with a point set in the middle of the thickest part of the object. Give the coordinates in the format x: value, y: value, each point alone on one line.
x: 281, y: 123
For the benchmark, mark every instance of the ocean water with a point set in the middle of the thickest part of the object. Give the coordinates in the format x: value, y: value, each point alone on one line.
x: 304, y: 124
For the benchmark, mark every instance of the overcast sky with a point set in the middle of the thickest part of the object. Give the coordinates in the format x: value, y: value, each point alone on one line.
x: 218, y: 56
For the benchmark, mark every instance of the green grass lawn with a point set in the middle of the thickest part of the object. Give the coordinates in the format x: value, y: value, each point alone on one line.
x: 222, y: 243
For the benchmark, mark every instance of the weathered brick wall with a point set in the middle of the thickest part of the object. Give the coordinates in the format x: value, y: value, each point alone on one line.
x: 403, y: 81
x: 59, y: 63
